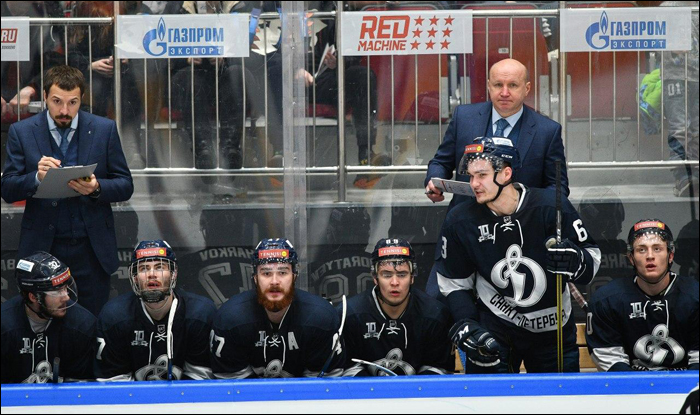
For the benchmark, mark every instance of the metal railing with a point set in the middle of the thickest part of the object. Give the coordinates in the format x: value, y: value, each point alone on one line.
x: 559, y: 101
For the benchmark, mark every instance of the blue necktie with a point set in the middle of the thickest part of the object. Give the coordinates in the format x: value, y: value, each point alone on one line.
x: 64, y: 140
x: 501, y: 126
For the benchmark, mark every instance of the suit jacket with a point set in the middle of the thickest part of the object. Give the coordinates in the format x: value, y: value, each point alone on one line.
x: 28, y: 141
x: 539, y: 145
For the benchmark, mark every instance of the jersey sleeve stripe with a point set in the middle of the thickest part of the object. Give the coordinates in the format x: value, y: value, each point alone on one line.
x: 119, y: 378
x: 693, y: 357
x: 197, y: 372
x: 606, y: 357
x: 241, y: 374
x: 449, y: 285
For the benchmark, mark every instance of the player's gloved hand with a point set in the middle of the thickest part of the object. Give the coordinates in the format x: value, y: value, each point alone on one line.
x: 565, y: 258
x: 479, y: 345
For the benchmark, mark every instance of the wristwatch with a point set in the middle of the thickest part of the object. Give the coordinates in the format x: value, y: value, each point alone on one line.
x: 96, y: 193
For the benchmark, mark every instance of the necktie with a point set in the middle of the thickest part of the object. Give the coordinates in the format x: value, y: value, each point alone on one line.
x: 64, y: 140
x: 501, y: 126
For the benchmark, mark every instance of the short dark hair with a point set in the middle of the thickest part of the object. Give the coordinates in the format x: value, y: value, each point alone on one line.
x: 65, y: 77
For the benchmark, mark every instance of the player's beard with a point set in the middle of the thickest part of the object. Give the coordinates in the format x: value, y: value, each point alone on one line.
x: 63, y: 121
x: 275, y: 306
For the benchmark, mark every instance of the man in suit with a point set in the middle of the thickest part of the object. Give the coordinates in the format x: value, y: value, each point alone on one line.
x: 79, y: 230
x: 537, y: 138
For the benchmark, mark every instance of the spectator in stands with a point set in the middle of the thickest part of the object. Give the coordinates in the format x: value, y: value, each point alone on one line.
x: 537, y: 138
x: 46, y: 335
x: 203, y: 72
x: 77, y: 230
x: 681, y: 92
x: 649, y: 322
x: 102, y: 87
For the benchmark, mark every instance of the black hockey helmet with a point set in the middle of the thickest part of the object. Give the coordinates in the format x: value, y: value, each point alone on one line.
x: 278, y: 250
x: 153, y: 251
x: 650, y: 226
x: 393, y: 250
x: 43, y: 274
x: 495, y: 149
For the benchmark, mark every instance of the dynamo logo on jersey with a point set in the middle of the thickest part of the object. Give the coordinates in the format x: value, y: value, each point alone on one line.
x: 184, y: 41
x: 627, y: 34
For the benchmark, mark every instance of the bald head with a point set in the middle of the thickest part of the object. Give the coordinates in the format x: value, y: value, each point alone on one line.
x: 509, y: 84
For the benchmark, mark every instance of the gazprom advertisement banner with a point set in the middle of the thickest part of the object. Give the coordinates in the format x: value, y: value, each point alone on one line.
x: 183, y: 36
x: 626, y: 29
x: 15, y: 39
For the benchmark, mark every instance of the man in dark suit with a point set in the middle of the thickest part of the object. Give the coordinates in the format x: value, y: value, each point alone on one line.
x: 78, y: 230
x: 537, y: 138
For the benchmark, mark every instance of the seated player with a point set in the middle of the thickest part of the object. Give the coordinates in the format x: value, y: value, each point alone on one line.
x: 156, y: 332
x: 394, y: 325
x: 276, y: 331
x: 46, y: 335
x: 650, y: 321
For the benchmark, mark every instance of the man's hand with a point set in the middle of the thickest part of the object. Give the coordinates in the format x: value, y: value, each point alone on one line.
x: 4, y: 106
x: 434, y: 193
x: 25, y: 96
x: 104, y: 67
x: 196, y: 61
x: 45, y: 164
x: 565, y: 258
x: 85, y: 188
x: 479, y: 345
x: 331, y: 60
x: 308, y: 78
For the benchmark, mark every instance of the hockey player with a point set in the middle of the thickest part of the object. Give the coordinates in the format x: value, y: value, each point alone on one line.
x: 649, y: 322
x: 46, y: 335
x: 156, y: 332
x: 493, y: 248
x: 275, y: 330
x: 394, y: 325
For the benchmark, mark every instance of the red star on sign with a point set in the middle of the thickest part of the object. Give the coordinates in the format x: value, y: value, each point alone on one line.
x: 434, y: 21
x: 445, y: 44
x: 417, y: 32
x: 419, y: 21
x: 449, y: 19
x: 430, y: 44
x: 432, y: 32
x: 415, y: 45
x: 446, y: 32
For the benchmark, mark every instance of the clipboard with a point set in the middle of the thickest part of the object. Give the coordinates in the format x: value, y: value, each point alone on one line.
x: 55, y: 183
x: 453, y: 186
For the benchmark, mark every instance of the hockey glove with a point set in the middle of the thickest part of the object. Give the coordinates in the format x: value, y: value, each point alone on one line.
x: 479, y: 345
x: 565, y: 258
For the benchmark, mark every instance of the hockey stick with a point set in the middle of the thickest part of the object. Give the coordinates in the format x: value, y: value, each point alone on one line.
x: 170, y: 341
x: 56, y: 368
x: 560, y: 331
x: 337, y: 341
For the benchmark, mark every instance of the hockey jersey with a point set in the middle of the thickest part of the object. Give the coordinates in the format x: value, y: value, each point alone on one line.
x: 245, y: 344
x: 131, y: 346
x: 415, y: 343
x: 28, y: 357
x: 503, y: 259
x: 630, y: 328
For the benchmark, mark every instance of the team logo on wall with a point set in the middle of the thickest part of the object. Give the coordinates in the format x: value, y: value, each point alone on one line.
x: 406, y: 33
x: 664, y: 28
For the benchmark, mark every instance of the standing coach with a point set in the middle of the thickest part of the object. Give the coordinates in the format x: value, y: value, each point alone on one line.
x: 78, y: 230
x: 537, y: 138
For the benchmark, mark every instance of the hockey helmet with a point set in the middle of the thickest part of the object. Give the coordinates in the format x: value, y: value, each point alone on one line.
x: 650, y: 226
x: 151, y: 258
x: 276, y: 250
x: 396, y: 251
x: 43, y: 275
x: 495, y: 149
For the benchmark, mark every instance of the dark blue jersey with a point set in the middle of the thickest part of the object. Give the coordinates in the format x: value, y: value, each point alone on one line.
x: 28, y: 357
x: 503, y: 259
x: 245, y: 344
x: 415, y: 343
x: 131, y: 346
x: 631, y: 329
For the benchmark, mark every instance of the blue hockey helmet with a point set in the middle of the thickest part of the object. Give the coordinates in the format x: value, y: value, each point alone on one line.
x: 42, y: 274
x: 650, y: 226
x: 393, y: 250
x: 152, y: 257
x: 495, y: 149
x: 276, y: 250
